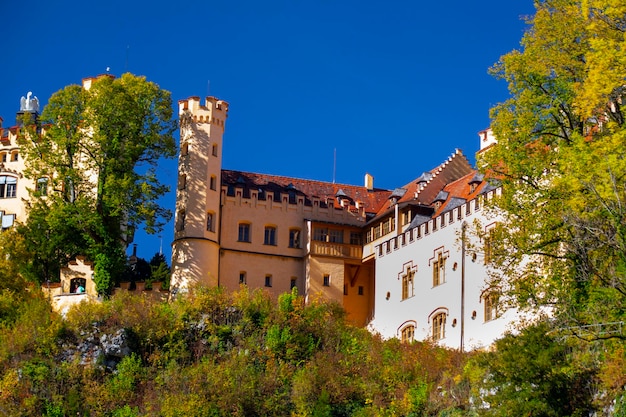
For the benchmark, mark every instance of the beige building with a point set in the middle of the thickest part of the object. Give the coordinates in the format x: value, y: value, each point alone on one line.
x: 239, y: 228
x: 265, y: 231
x: 14, y: 186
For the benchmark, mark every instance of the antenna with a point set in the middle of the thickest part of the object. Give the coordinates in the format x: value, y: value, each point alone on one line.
x: 126, y: 64
x: 334, y: 164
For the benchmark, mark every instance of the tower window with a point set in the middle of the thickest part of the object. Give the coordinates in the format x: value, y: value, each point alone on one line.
x: 268, y: 280
x: 210, y: 226
x: 242, y: 278
x: 180, y: 223
x: 213, y: 182
x: 214, y: 149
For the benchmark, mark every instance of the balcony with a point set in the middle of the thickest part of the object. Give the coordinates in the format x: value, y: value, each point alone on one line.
x: 337, y: 250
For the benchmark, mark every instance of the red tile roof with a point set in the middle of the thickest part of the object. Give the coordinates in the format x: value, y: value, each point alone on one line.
x: 371, y: 200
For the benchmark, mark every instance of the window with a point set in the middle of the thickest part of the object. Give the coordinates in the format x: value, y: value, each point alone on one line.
x: 491, y: 300
x: 368, y: 236
x: 408, y: 333
x: 180, y: 222
x: 242, y: 278
x: 42, y: 186
x: 213, y: 182
x: 244, y: 232
x: 386, y: 226
x: 320, y: 234
x: 487, y: 247
x: 439, y: 326
x: 210, y: 226
x: 361, y: 290
x: 355, y: 238
x: 439, y: 266
x: 270, y: 236
x: 345, y: 289
x: 4, y: 157
x: 182, y: 182
x: 268, y: 280
x: 406, y: 218
x: 477, y: 204
x: 407, y: 284
x: 294, y: 238
x: 335, y: 236
x: 214, y: 149
x: 184, y: 149
x: 8, y: 186
x: 326, y: 280
x: 293, y: 283
x: 15, y: 156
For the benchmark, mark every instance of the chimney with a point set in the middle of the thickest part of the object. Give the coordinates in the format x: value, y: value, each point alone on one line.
x: 369, y: 182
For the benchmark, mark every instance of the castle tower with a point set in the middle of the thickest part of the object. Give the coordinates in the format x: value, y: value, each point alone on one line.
x: 196, y: 246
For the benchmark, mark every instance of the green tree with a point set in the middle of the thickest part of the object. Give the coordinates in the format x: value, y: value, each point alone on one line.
x: 532, y: 374
x: 560, y: 158
x: 160, y: 270
x: 97, y: 148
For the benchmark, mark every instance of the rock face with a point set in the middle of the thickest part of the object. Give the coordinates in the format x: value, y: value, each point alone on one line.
x: 97, y: 347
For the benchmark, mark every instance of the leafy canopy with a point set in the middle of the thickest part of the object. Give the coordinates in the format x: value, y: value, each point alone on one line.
x: 97, y: 150
x: 560, y: 157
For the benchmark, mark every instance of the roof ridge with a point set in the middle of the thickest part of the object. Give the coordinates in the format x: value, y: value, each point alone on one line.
x: 300, y: 179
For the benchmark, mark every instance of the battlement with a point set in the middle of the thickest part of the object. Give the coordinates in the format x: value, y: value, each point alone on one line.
x: 214, y: 110
x: 433, y: 225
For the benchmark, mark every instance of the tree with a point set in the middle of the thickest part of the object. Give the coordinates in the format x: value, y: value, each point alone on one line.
x: 160, y: 270
x: 560, y: 158
x: 532, y: 374
x: 97, y: 149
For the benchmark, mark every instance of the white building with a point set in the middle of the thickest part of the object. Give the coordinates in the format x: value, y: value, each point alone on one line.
x: 431, y: 278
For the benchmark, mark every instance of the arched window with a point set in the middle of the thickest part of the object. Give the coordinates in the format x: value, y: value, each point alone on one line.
x: 8, y: 186
x: 438, y: 323
x: 408, y: 333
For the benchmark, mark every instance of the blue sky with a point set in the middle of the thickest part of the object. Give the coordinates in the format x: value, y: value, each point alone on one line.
x: 392, y: 88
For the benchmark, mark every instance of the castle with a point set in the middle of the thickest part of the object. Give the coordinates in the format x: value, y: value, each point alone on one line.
x: 396, y: 260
